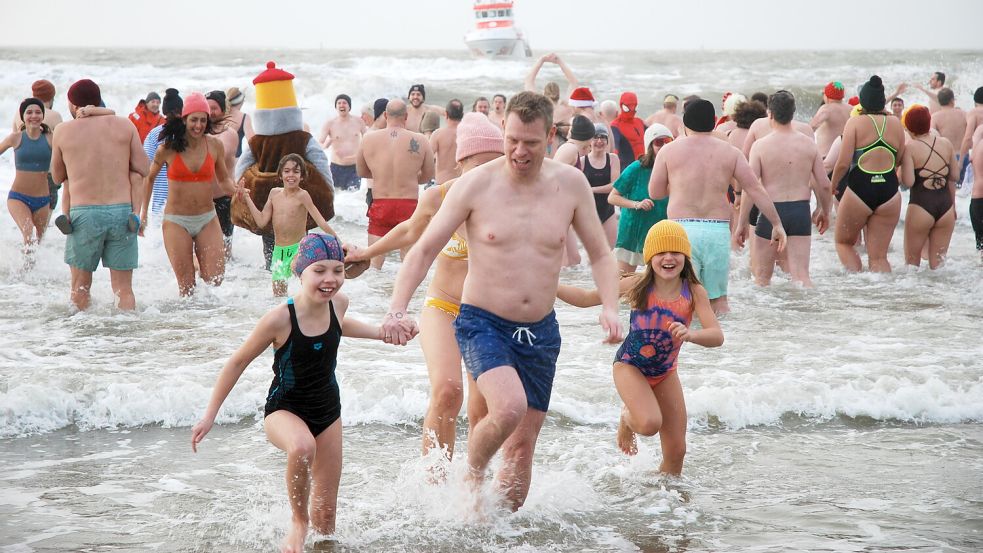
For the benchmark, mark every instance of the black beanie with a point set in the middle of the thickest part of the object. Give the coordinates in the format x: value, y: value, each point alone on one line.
x: 172, y: 102
x: 699, y: 116
x: 418, y: 88
x: 218, y: 96
x: 581, y: 128
x: 872, y: 95
x: 344, y: 97
x: 978, y: 95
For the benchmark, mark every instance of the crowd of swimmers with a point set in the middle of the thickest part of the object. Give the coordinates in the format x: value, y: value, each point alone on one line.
x: 520, y: 186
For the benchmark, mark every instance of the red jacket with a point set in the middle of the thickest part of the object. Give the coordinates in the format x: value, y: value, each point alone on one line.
x: 145, y: 121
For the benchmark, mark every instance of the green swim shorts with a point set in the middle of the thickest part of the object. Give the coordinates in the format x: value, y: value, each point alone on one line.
x: 283, y: 257
x: 100, y: 232
x: 711, y: 252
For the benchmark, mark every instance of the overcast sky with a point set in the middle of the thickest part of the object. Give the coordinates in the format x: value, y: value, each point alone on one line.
x: 560, y: 25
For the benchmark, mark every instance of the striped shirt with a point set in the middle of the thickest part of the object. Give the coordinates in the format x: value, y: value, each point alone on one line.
x: 159, y: 195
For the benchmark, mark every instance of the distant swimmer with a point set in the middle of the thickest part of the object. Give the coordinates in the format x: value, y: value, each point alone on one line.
x: 831, y: 117
x: 949, y: 121
x: 226, y: 131
x: 601, y: 169
x: 667, y: 116
x: 974, y: 120
x: 694, y: 172
x: 481, y: 105
x: 935, y: 84
x: 444, y: 144
x: 516, y: 211
x: 398, y: 161
x: 101, y: 202
x: 627, y: 130
x: 872, y: 144
x: 976, y: 201
x: 572, y: 153
x: 745, y: 115
x: 929, y: 167
x: 897, y: 107
x: 663, y: 300
x: 29, y: 201
x: 146, y: 115
x: 155, y: 192
x: 343, y: 134
x: 582, y: 101
x: 416, y: 108
x: 726, y: 122
x: 302, y: 416
x: 786, y: 162
x: 192, y: 233
x: 497, y: 114
x: 287, y: 209
x: 239, y: 119
x: 561, y: 109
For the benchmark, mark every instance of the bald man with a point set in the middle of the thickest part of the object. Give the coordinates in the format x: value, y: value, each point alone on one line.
x: 398, y: 161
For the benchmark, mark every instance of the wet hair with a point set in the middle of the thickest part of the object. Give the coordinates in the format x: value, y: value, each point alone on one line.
x: 648, y: 158
x: 296, y: 158
x: 638, y: 295
x: 946, y: 96
x: 747, y: 113
x: 530, y: 106
x: 782, y: 106
x: 502, y: 96
x: 174, y: 133
x: 474, y: 106
x: 940, y: 76
x: 689, y: 100
x: 760, y: 97
x: 898, y: 99
x: 552, y: 91
x: 455, y: 110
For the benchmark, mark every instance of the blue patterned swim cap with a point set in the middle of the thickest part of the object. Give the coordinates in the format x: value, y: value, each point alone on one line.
x: 317, y: 247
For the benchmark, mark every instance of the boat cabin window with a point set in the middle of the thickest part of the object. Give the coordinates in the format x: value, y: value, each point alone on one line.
x: 508, y: 12
x: 501, y: 13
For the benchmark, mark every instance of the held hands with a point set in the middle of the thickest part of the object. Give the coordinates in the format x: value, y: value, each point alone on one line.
x: 198, y: 432
x: 398, y: 329
x: 611, y: 325
x: 352, y: 253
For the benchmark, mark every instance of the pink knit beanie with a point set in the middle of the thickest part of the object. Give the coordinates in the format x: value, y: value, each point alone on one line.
x: 477, y: 134
x: 194, y: 103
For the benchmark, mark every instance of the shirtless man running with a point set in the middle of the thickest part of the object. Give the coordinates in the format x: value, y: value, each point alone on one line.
x: 444, y: 144
x: 398, y: 161
x: 516, y: 210
x: 949, y: 121
x: 784, y: 161
x: 831, y: 117
x: 343, y: 134
x: 935, y: 84
x: 694, y: 171
x: 101, y: 201
x: 667, y: 116
x: 497, y: 115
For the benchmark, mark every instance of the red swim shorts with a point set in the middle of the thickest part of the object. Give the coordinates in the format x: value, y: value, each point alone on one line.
x: 386, y: 213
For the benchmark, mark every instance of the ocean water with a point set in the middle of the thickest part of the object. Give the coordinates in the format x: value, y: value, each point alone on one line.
x: 841, y: 418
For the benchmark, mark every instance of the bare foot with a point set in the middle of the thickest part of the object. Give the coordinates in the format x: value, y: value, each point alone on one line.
x: 626, y: 438
x: 294, y: 542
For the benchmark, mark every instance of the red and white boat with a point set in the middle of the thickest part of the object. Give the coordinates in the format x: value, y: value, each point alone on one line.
x: 495, y: 34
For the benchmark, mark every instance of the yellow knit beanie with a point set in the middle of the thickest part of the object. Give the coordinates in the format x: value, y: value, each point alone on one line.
x: 665, y: 236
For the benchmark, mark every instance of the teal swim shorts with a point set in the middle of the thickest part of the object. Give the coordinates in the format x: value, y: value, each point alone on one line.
x: 710, y: 239
x: 100, y: 232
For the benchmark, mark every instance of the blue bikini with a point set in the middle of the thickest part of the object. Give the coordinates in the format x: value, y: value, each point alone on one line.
x: 34, y: 156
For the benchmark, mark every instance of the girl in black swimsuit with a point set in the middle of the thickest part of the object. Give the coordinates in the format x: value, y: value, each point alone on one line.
x: 303, y: 408
x: 930, y: 218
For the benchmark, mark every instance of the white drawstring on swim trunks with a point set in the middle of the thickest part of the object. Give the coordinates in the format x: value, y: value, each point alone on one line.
x: 521, y: 331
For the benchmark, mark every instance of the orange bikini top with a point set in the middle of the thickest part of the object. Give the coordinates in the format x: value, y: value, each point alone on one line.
x: 179, y: 172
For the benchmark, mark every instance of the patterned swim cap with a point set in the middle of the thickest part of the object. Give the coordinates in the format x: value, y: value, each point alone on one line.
x: 317, y: 247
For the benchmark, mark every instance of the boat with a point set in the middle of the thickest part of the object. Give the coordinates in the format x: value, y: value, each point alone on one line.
x: 495, y: 34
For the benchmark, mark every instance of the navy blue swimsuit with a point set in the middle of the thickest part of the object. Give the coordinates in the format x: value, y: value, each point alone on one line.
x: 304, y: 375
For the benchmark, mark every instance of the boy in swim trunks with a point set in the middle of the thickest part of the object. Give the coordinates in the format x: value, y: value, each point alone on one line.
x: 695, y: 171
x: 288, y: 208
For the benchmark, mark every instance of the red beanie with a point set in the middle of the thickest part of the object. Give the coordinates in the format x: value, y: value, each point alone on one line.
x: 854, y: 100
x: 194, y: 103
x: 917, y: 119
x: 84, y: 93
x: 43, y: 90
x: 834, y: 90
x: 581, y: 98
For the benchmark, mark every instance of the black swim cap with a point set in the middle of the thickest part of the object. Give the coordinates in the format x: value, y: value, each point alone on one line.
x: 344, y: 97
x: 978, y: 95
x: 379, y: 107
x: 699, y: 116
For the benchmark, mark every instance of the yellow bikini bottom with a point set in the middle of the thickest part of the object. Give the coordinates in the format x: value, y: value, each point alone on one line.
x: 448, y: 307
